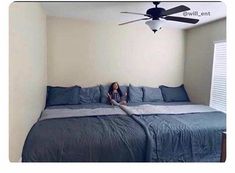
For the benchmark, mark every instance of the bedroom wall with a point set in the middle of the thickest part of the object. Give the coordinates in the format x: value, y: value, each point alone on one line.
x: 28, y: 71
x: 90, y: 53
x: 199, y: 59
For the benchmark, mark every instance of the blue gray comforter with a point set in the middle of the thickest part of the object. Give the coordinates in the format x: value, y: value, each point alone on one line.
x: 154, y: 137
x: 97, y: 139
x: 186, y: 137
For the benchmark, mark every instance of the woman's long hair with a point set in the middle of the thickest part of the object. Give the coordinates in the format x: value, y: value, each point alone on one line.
x: 111, y: 89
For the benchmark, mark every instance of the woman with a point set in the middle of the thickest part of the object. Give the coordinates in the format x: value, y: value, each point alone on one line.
x: 115, y: 94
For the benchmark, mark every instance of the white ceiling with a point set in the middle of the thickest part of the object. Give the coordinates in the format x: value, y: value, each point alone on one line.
x: 110, y: 11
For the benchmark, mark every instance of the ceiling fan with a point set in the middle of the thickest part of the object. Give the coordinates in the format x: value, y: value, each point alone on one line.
x: 154, y: 16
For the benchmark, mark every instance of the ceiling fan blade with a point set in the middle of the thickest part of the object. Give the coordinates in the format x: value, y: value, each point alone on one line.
x: 134, y: 21
x: 136, y: 13
x: 174, y: 10
x: 181, y: 19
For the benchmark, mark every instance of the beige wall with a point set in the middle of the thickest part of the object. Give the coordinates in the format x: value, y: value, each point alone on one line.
x: 199, y: 59
x: 28, y: 72
x: 87, y: 54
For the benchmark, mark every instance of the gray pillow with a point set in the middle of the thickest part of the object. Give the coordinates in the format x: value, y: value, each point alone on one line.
x: 62, y: 95
x: 174, y: 94
x: 135, y: 94
x: 104, y: 89
x: 152, y: 94
x: 90, y: 95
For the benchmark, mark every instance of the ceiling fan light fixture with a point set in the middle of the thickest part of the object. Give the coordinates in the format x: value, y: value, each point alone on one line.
x: 154, y: 25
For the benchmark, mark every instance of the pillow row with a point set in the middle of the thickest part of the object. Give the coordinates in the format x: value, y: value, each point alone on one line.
x: 72, y: 95
x: 144, y: 94
x: 149, y: 94
x: 76, y: 95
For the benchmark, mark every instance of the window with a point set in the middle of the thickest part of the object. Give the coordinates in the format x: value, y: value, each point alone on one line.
x: 218, y: 82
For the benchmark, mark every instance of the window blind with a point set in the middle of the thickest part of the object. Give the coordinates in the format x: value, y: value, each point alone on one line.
x: 218, y: 82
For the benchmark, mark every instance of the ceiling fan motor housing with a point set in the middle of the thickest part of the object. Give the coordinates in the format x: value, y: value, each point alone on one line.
x: 155, y: 13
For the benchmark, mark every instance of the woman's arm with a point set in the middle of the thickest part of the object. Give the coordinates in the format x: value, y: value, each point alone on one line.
x: 124, y: 97
x: 109, y: 96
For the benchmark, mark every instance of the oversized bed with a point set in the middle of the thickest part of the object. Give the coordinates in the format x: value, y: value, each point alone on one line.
x: 178, y: 132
